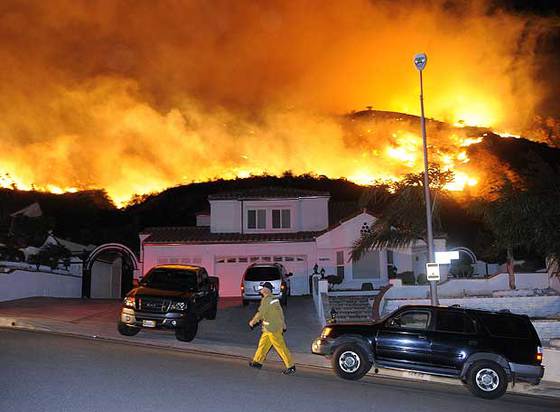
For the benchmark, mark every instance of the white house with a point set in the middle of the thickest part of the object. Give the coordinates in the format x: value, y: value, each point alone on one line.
x: 288, y: 226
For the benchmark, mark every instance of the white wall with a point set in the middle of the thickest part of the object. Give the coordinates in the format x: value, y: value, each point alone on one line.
x: 229, y: 283
x: 314, y: 214
x: 225, y: 216
x: 533, y: 306
x: 466, y: 287
x: 23, y: 284
x: 306, y: 214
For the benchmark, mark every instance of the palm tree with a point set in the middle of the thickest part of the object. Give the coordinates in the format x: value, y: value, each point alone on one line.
x: 402, y: 219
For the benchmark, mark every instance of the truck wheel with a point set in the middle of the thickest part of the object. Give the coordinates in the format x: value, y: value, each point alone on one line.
x: 245, y: 302
x: 487, y: 380
x: 350, y: 361
x: 188, y: 333
x: 211, y: 314
x: 126, y: 330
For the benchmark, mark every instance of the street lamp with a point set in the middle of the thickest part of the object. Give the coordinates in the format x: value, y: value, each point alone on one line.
x: 420, y: 61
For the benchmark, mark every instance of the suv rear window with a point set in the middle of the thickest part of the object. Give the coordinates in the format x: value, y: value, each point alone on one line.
x: 262, y: 273
x: 454, y: 322
x: 506, y: 326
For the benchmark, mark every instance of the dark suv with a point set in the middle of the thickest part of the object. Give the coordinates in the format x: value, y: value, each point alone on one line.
x: 486, y: 350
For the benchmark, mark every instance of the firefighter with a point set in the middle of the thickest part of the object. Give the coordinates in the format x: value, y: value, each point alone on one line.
x: 271, y: 316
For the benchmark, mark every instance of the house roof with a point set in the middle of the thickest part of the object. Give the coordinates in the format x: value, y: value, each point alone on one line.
x: 268, y: 193
x: 201, y: 234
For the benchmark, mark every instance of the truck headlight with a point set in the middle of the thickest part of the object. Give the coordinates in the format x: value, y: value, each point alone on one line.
x: 178, y: 306
x: 129, y: 301
x: 326, y: 332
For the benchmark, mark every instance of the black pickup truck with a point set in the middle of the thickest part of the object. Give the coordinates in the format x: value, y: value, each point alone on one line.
x: 173, y: 297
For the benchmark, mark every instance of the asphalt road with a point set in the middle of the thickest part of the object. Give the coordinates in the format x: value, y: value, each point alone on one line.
x: 44, y: 372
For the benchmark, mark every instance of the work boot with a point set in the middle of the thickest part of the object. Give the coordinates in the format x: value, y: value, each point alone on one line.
x: 255, y: 365
x: 289, y: 371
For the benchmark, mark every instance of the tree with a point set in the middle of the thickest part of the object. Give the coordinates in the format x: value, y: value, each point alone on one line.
x: 402, y: 220
x: 525, y: 218
x: 51, y: 255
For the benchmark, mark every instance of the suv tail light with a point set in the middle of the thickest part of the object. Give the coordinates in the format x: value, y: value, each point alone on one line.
x: 242, y: 287
x: 283, y: 287
x: 539, y: 354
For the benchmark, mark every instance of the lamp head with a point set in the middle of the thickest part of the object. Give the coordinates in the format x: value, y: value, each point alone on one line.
x: 420, y: 61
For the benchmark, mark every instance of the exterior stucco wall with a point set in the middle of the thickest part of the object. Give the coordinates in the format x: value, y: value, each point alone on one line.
x: 209, y: 252
x: 313, y: 214
x: 306, y: 214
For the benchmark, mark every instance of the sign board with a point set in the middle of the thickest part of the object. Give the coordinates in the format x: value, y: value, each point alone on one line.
x: 446, y: 257
x: 432, y: 271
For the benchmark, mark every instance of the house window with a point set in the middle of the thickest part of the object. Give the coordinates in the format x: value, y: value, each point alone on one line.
x: 281, y: 218
x: 340, y: 263
x: 256, y: 219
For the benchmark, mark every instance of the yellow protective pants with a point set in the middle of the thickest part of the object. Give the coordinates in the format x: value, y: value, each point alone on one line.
x: 268, y: 340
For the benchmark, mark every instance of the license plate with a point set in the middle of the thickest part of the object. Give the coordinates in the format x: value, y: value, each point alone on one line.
x: 149, y: 323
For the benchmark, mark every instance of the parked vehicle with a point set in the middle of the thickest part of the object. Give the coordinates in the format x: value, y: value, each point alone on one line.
x: 173, y: 297
x: 486, y: 350
x: 258, y: 273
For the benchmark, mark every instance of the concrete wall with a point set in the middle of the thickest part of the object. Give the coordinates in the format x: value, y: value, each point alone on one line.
x: 534, y: 306
x: 472, y: 287
x: 551, y: 362
x: 23, y: 284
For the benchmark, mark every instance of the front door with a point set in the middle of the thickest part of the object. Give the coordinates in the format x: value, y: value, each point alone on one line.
x: 406, y: 338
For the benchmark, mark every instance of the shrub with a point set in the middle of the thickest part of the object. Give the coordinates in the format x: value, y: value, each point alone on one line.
x: 422, y: 279
x: 407, y: 278
x: 461, y: 270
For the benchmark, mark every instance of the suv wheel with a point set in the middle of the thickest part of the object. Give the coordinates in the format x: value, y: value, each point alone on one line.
x: 351, y: 362
x: 188, y: 333
x: 487, y: 380
x: 126, y: 330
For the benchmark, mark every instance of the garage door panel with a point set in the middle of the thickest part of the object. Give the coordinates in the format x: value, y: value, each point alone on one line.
x: 230, y: 271
x: 230, y: 275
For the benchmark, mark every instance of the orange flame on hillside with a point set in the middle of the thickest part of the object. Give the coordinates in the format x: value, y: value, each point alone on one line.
x: 137, y: 97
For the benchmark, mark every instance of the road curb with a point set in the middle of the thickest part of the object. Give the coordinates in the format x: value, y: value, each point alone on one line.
x: 9, y: 323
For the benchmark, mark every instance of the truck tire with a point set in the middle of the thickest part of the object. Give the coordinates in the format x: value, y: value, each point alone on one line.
x: 126, y: 330
x: 350, y: 361
x: 487, y: 379
x: 188, y: 333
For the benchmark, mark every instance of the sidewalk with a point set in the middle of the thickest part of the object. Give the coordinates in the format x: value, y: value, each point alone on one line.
x: 228, y: 335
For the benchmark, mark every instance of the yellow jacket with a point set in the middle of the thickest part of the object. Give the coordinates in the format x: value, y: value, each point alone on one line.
x: 271, y: 314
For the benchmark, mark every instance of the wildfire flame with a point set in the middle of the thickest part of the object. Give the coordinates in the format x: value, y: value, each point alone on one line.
x: 135, y: 98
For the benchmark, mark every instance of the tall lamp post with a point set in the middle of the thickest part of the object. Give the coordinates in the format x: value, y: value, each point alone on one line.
x: 420, y: 61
